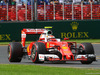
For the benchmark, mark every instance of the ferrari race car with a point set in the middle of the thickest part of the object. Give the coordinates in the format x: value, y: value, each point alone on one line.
x: 48, y: 48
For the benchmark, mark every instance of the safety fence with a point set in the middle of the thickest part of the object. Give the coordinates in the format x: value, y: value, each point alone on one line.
x: 50, y: 12
x: 16, y: 13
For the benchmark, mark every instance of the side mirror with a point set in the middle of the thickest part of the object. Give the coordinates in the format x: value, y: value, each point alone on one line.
x: 66, y: 38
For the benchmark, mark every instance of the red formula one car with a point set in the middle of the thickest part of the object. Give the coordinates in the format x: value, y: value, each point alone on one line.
x: 48, y: 48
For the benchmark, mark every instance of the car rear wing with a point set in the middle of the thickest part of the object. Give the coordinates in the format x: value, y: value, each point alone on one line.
x: 24, y: 32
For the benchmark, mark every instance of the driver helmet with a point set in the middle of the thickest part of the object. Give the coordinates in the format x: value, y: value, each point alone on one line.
x: 47, y: 34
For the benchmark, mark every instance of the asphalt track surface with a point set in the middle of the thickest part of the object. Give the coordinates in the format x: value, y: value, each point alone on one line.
x: 77, y: 64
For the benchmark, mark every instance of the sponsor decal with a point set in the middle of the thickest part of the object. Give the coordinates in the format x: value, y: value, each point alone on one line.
x: 75, y: 33
x: 5, y: 37
x: 41, y: 57
x: 74, y: 26
x: 35, y: 30
x: 64, y: 47
x: 52, y: 45
x: 23, y: 35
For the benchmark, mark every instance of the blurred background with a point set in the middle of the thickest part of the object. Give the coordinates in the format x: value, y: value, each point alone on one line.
x: 42, y: 10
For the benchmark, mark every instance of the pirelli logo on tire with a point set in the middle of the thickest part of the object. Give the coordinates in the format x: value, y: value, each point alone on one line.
x: 75, y: 33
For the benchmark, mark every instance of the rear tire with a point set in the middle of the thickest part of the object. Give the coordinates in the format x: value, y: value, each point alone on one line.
x: 15, y: 52
x: 37, y: 48
x: 86, y: 48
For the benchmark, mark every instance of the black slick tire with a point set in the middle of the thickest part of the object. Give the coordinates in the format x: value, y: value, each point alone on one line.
x: 15, y: 52
x: 86, y: 48
x: 37, y: 48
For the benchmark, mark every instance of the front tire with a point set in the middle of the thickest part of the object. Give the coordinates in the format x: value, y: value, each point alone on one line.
x: 37, y: 48
x: 15, y: 52
x: 89, y: 61
x: 86, y: 48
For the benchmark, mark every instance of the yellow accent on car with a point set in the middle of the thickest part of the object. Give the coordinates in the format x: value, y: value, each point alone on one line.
x: 64, y: 47
x: 47, y: 27
x: 28, y: 49
x: 47, y: 45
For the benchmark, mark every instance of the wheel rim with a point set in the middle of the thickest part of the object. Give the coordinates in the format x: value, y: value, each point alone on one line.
x: 33, y: 52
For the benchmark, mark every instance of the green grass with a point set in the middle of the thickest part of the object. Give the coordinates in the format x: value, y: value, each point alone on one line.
x: 75, y: 40
x: 11, y: 69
